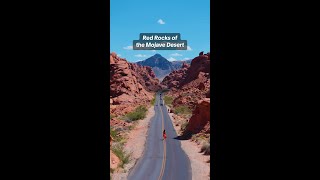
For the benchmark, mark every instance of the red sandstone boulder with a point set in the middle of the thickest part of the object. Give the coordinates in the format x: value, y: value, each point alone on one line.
x: 201, y: 86
x: 200, y: 117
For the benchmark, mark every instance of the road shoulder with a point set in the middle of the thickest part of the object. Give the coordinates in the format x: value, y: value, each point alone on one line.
x: 199, y: 163
x: 135, y: 144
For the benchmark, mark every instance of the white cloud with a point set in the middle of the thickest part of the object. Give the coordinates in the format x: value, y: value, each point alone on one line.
x: 171, y: 59
x: 134, y: 61
x: 141, y: 55
x: 160, y: 21
x: 119, y: 55
x: 186, y: 58
x: 128, y: 47
x: 176, y: 54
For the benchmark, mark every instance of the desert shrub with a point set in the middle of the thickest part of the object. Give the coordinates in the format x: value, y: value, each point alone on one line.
x: 199, y: 138
x: 153, y: 101
x: 133, y: 116
x: 113, y: 133
x: 184, y: 125
x: 182, y: 110
x: 112, y: 116
x: 119, y: 152
x: 125, y: 118
x: 168, y: 100
x: 142, y: 109
x: 139, y: 113
x: 205, y: 148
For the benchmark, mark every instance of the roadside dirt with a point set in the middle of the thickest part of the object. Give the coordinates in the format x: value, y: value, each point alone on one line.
x: 114, y: 160
x: 135, y: 144
x: 199, y: 162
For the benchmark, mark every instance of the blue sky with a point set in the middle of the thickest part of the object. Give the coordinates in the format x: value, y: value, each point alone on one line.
x: 129, y: 18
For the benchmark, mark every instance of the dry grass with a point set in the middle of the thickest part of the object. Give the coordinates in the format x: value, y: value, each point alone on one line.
x: 182, y: 110
x: 205, y: 148
x: 139, y: 113
x: 117, y: 149
x: 168, y: 100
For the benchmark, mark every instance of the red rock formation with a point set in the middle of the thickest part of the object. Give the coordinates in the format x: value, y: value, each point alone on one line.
x: 198, y: 64
x: 200, y: 120
x: 191, y: 83
x: 190, y: 86
x: 130, y: 85
x: 146, y: 77
x: 174, y: 78
x: 199, y: 68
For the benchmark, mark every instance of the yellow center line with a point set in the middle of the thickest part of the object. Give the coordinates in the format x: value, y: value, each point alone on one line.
x: 164, y: 150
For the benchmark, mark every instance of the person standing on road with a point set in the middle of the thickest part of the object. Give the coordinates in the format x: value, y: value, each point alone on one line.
x: 164, y: 134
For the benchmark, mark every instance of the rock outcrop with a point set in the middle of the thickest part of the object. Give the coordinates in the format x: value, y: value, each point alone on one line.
x: 146, y: 77
x: 130, y: 85
x: 191, y: 83
x: 174, y: 78
x: 200, y: 120
x: 199, y: 66
x: 190, y: 86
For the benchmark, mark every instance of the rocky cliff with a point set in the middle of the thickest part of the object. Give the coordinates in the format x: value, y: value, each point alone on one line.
x: 130, y: 85
x: 191, y: 83
x: 190, y: 86
x: 174, y: 78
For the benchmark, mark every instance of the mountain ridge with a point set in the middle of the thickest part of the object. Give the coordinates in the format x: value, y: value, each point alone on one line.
x: 161, y: 66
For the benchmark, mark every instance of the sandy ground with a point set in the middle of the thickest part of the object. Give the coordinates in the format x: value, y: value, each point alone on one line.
x: 199, y: 166
x: 114, y: 160
x: 135, y: 146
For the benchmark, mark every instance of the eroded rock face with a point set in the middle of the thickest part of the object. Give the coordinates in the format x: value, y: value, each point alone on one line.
x: 146, y: 77
x: 200, y: 64
x: 174, y: 78
x: 130, y: 85
x: 199, y: 68
x: 190, y: 86
x: 200, y: 120
x: 191, y: 83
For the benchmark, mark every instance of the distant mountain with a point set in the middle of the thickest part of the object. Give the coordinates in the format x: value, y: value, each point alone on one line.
x: 157, y: 61
x: 161, y: 66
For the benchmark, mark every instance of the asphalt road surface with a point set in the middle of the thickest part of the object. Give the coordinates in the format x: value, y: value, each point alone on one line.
x: 162, y: 159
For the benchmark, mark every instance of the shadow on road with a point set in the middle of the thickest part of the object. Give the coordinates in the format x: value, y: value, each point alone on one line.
x: 183, y: 137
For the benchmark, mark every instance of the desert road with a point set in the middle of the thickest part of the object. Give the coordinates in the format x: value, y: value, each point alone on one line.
x: 161, y: 159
